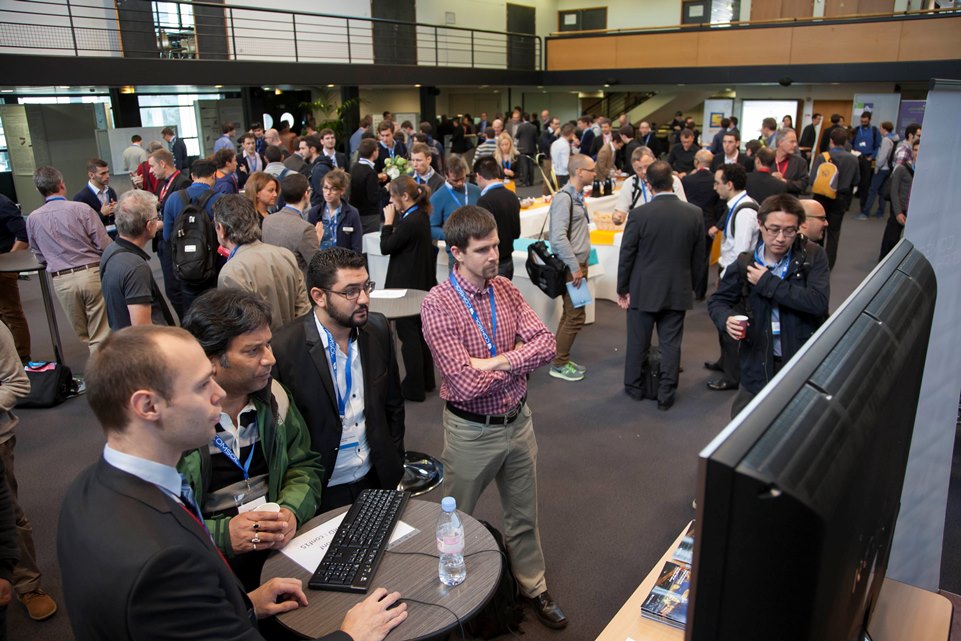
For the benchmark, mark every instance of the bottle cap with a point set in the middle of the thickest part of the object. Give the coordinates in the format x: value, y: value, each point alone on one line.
x: 448, y: 504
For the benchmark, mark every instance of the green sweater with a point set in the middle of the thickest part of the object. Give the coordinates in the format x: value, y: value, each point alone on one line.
x: 295, y: 476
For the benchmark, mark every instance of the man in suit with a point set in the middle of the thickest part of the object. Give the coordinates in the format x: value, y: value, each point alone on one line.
x: 289, y: 227
x: 661, y: 260
x: 789, y: 167
x: 366, y: 192
x: 526, y: 136
x: 699, y: 190
x: 809, y: 136
x: 760, y: 182
x: 424, y: 174
x: 506, y: 209
x: 340, y: 365
x: 251, y: 161
x: 98, y: 193
x: 177, y: 147
x: 649, y: 139
x: 731, y: 146
x: 387, y: 148
x: 325, y: 158
x: 136, y: 562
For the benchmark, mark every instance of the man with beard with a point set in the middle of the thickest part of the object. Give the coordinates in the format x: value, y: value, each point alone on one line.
x: 340, y: 365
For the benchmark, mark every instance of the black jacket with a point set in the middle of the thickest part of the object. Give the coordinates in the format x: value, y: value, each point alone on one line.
x: 366, y: 194
x: 802, y: 298
x: 761, y: 184
x: 699, y: 189
x: 318, y: 169
x: 400, y: 151
x: 408, y: 243
x: 506, y: 208
x: 87, y: 196
x: 304, y: 369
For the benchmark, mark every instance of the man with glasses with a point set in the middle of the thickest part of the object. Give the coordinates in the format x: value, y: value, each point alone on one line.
x: 783, y: 286
x: 340, y: 365
x: 130, y: 293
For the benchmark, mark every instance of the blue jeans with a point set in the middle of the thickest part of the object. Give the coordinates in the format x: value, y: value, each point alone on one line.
x: 875, y: 190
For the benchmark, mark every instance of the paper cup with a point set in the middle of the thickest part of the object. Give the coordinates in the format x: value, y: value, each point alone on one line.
x: 269, y: 507
x: 742, y: 321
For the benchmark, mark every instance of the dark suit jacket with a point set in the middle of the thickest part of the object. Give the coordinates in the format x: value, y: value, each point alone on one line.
x: 319, y: 169
x: 746, y: 162
x: 87, y: 196
x: 699, y: 189
x: 626, y: 152
x: 245, y: 168
x: 400, y: 151
x: 652, y: 142
x: 366, y: 194
x: 179, y: 151
x: 662, y: 255
x: 761, y: 184
x: 408, y: 243
x: 506, y: 208
x: 303, y: 367
x: 136, y: 565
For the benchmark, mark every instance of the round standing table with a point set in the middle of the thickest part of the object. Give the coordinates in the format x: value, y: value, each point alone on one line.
x: 414, y: 576
x: 25, y: 261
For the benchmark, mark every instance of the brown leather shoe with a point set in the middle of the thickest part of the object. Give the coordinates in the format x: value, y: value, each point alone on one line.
x: 549, y: 613
x: 39, y: 605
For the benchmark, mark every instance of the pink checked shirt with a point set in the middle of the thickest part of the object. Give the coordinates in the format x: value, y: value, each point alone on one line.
x: 454, y: 339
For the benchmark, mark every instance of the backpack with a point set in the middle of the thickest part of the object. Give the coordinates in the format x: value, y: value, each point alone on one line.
x: 194, y: 240
x: 826, y: 178
x: 651, y: 373
x: 745, y: 205
x: 503, y: 612
x: 51, y: 383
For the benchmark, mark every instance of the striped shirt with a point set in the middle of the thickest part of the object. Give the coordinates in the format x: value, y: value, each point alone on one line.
x: 454, y: 339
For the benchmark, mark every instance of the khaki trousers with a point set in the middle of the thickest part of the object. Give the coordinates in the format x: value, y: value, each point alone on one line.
x: 572, y: 320
x: 80, y: 295
x: 476, y: 454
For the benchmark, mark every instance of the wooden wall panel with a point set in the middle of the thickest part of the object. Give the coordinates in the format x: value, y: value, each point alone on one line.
x: 834, y: 8
x: 765, y: 10
x: 658, y: 50
x: 742, y: 49
x: 590, y: 53
x: 875, y: 6
x: 930, y: 39
x: 833, y: 44
x: 797, y: 8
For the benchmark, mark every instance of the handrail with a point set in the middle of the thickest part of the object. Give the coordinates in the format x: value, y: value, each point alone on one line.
x: 772, y: 22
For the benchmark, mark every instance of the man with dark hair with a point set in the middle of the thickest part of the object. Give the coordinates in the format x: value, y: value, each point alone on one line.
x: 783, y: 286
x: 699, y: 190
x: 366, y: 192
x: 226, y: 178
x: 260, y: 138
x: 255, y: 266
x: 486, y: 340
x: 550, y: 132
x: 789, y: 167
x: 200, y: 192
x: 387, y: 148
x: 131, y: 294
x: 274, y: 155
x: 98, y: 193
x: 261, y: 450
x: 176, y: 146
x: 586, y: 134
x: 660, y: 264
x: 252, y: 159
x: 504, y: 206
x: 867, y: 141
x: 289, y: 227
x: 424, y: 174
x: 716, y: 143
x: 437, y: 149
x: 768, y: 131
x: 134, y: 154
x: 826, y: 134
x: 731, y: 152
x: 154, y: 392
x: 297, y: 161
x: 486, y: 148
x: 848, y: 175
x: 363, y: 128
x: 456, y: 192
x: 883, y: 162
x: 903, y: 153
x: 681, y: 156
x: 226, y: 140
x: 738, y: 229
x: 340, y: 365
x: 760, y: 182
x: 326, y: 158
x: 626, y: 134
x: 809, y: 136
x: 69, y: 239
x: 648, y: 138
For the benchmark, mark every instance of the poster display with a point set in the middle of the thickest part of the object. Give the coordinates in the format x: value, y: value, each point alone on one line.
x: 911, y: 111
x: 883, y: 106
x: 714, y: 110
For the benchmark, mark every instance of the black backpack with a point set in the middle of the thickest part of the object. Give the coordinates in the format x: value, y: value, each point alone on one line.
x: 503, y: 612
x: 194, y: 240
x: 546, y: 270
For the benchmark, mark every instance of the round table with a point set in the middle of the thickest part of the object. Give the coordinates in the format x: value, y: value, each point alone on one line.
x: 400, y: 307
x: 414, y: 576
x: 25, y: 261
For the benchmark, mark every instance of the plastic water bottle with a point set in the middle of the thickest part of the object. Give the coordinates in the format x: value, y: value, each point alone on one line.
x: 450, y: 544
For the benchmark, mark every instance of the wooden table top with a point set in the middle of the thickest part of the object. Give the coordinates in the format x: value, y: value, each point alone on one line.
x: 415, y: 577
x: 407, y: 305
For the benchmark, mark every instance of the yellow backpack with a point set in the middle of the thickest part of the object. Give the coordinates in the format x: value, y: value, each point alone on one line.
x: 826, y: 178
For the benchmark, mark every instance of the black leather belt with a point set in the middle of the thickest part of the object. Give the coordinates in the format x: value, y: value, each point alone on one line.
x: 485, y: 419
x: 73, y: 270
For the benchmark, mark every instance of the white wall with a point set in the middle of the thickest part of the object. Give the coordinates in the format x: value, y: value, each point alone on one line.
x: 377, y: 101
x: 627, y: 14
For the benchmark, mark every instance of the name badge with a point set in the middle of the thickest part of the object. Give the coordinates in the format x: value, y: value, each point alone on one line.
x: 110, y: 228
x: 348, y: 230
x: 251, y: 505
x: 776, y: 328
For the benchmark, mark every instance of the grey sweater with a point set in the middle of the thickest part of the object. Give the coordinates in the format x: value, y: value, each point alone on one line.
x: 570, y: 235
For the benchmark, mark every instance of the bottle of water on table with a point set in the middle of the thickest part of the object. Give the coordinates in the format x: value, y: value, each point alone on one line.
x: 450, y: 544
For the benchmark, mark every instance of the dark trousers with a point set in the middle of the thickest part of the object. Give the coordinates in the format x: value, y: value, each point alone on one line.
x: 729, y: 358
x: 864, y: 187
x: 190, y: 291
x: 892, y: 234
x: 744, y: 397
x: 11, y: 313
x: 700, y: 291
x: 506, y: 268
x: 418, y: 362
x: 335, y: 496
x: 834, y: 210
x: 171, y: 282
x: 670, y: 331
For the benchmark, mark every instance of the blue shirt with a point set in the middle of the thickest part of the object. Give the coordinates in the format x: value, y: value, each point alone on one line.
x: 443, y: 204
x: 867, y: 140
x: 175, y: 205
x: 224, y: 142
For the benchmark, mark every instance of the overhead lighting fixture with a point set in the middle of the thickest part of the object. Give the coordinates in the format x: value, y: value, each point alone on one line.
x: 277, y: 92
x: 330, y: 86
x: 218, y: 86
x: 63, y: 86
x: 417, y: 85
x: 128, y: 89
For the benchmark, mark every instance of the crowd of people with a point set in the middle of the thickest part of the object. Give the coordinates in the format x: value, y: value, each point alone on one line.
x: 267, y: 379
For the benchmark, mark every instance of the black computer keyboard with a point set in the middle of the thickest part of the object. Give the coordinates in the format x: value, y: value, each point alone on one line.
x: 360, y: 541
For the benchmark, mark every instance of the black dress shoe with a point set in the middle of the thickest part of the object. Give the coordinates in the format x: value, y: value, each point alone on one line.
x: 714, y: 366
x: 547, y: 610
x: 634, y: 394
x: 721, y: 385
x: 666, y: 405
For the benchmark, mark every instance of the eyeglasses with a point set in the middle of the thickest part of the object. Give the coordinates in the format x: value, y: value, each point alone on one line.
x: 353, y: 293
x: 787, y: 232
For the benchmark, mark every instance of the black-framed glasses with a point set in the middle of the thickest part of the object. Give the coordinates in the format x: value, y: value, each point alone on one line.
x: 787, y: 232
x: 353, y: 293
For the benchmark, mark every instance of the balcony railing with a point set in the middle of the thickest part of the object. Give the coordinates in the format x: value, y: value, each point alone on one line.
x: 129, y: 28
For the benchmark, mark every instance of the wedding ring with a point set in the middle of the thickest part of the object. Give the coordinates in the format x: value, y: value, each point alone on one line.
x: 255, y: 540
x: 256, y: 526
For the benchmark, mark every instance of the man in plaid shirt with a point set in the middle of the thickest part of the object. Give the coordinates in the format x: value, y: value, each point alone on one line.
x: 486, y: 339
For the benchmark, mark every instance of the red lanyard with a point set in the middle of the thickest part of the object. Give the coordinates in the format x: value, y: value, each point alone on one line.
x: 780, y: 169
x: 163, y: 190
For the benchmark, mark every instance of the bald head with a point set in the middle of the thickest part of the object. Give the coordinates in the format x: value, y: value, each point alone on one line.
x: 703, y: 158
x: 815, y: 220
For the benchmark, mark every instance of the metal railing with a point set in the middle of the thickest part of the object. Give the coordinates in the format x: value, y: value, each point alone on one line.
x: 226, y: 32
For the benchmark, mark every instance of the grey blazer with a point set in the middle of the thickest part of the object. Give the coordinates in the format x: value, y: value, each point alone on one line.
x: 287, y: 229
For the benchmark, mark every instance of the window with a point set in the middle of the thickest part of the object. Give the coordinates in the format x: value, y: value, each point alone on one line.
x: 715, y: 12
x: 4, y: 154
x: 176, y: 110
x: 582, y: 19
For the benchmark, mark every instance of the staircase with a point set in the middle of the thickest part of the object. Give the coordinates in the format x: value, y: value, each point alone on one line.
x: 615, y: 103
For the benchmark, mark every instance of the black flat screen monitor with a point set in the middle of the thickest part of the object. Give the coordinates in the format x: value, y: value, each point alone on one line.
x: 798, y: 497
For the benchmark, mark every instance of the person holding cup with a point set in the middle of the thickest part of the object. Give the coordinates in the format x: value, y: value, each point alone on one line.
x: 773, y: 299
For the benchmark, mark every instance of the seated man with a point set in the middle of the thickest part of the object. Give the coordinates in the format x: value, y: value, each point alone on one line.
x: 135, y: 560
x: 231, y: 476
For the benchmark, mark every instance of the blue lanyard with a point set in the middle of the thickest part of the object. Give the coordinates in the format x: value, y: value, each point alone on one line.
x: 491, y: 186
x: 491, y: 347
x: 409, y: 212
x: 233, y: 251
x: 507, y: 164
x: 423, y: 181
x: 730, y: 210
x: 55, y: 198
x: 389, y: 150
x: 780, y: 269
x: 332, y: 353
x: 229, y: 453
x: 453, y: 194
